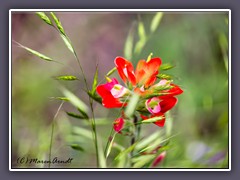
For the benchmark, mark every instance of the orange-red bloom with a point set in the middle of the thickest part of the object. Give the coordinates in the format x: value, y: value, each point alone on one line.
x: 145, y: 73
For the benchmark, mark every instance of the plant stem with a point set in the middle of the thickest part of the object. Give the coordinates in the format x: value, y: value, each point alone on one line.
x: 93, y: 124
x: 51, y: 139
x: 136, y: 133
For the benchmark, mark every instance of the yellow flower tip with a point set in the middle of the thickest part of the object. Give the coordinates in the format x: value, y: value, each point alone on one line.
x: 108, y: 79
x: 149, y: 57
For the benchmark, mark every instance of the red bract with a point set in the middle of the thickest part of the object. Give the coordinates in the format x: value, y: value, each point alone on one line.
x: 159, y: 159
x: 118, y: 125
x: 110, y: 93
x: 145, y: 73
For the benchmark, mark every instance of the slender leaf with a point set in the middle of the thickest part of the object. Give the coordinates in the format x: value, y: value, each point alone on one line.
x: 156, y: 21
x: 141, y: 31
x: 152, y: 120
x: 145, y: 142
x: 44, y: 17
x: 109, y: 148
x: 83, y: 113
x: 164, y: 76
x: 128, y: 48
x: 142, y: 38
x: 68, y: 43
x: 82, y: 132
x: 102, y: 159
x: 75, y: 115
x: 60, y: 98
x: 111, y: 71
x: 75, y: 100
x: 133, y: 102
x: 126, y: 151
x: 166, y: 66
x: 95, y: 97
x: 67, y: 78
x: 77, y: 147
x: 140, y: 161
x: 95, y: 81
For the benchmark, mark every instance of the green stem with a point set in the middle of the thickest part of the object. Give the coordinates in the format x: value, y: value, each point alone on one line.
x: 93, y: 124
x: 51, y: 139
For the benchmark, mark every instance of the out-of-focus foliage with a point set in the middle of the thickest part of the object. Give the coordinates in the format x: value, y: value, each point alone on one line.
x: 196, y: 44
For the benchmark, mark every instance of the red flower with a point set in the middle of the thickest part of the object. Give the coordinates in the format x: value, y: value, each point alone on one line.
x: 118, y: 125
x: 111, y: 92
x: 145, y: 73
x: 159, y: 159
x: 157, y: 107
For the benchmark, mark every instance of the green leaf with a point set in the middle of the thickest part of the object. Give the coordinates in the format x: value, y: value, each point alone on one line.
x: 166, y: 66
x: 164, y: 76
x: 44, y: 17
x: 83, y: 113
x: 133, y: 102
x: 147, y: 141
x: 152, y: 120
x: 126, y: 151
x: 95, y: 81
x: 140, y: 161
x: 58, y: 23
x: 75, y: 115
x: 38, y: 54
x: 102, y: 159
x: 82, y: 132
x: 67, y: 78
x: 77, y: 147
x: 67, y: 43
x: 128, y: 48
x: 95, y: 97
x: 141, y: 31
x: 111, y: 71
x: 60, y: 98
x: 109, y: 148
x: 156, y: 21
x: 142, y: 38
x: 75, y: 100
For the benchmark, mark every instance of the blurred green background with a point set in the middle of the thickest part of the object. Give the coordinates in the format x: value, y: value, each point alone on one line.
x: 195, y: 42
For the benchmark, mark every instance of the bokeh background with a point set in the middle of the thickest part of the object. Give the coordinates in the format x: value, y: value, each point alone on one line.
x: 195, y: 42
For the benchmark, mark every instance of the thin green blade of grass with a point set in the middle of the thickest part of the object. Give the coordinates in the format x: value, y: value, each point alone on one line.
x: 128, y: 47
x: 95, y: 81
x: 140, y: 161
x: 67, y: 43
x: 74, y: 115
x: 111, y: 71
x: 83, y: 132
x: 133, y: 102
x: 145, y: 142
x: 156, y: 21
x: 77, y: 147
x: 126, y: 151
x: 142, y: 38
x: 44, y: 17
x: 75, y: 100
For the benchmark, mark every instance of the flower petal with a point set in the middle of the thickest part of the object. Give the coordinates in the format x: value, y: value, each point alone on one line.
x: 167, y: 104
x: 125, y: 70
x: 118, y: 124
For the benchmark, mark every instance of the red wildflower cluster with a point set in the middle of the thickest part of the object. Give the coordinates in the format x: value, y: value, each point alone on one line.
x: 158, y: 98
